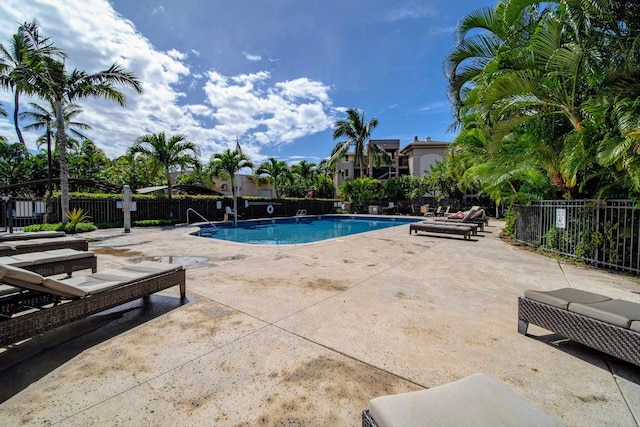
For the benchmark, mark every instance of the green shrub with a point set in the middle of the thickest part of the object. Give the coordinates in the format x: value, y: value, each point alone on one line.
x: 81, y: 227
x: 158, y: 222
x: 510, y: 217
x: 44, y: 227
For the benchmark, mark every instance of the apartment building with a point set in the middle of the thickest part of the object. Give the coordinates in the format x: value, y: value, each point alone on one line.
x: 414, y: 159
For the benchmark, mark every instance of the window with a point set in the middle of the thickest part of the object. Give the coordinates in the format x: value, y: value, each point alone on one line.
x: 346, y: 158
x: 346, y: 172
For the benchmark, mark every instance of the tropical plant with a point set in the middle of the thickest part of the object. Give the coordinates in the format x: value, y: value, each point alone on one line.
x: 21, y: 62
x: 275, y: 170
x: 551, y: 87
x: 167, y: 154
x: 75, y: 217
x: 227, y: 164
x: 43, y: 118
x: 361, y: 190
x: 13, y: 168
x: 58, y: 85
x: 357, y: 133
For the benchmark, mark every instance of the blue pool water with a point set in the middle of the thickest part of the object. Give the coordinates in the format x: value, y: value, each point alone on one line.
x: 287, y: 231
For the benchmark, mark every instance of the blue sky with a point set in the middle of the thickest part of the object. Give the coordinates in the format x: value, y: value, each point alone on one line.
x: 275, y: 74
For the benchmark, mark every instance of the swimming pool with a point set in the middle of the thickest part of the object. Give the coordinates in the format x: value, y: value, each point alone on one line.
x: 288, y: 231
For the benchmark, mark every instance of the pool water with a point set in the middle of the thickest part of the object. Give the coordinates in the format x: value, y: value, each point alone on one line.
x: 288, y: 231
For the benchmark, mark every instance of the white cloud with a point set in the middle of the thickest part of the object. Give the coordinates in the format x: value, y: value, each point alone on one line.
x: 248, y: 106
x: 251, y: 57
x: 411, y: 11
x: 158, y: 10
x: 177, y: 55
x: 268, y: 114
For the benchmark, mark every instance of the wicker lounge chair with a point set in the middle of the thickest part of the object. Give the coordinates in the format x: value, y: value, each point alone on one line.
x: 433, y: 227
x: 477, y: 400
x: 6, y: 237
x: 15, y: 247
x: 608, y: 325
x: 65, y: 301
x: 57, y: 261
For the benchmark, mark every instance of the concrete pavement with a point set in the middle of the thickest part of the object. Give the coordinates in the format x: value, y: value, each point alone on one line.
x: 307, y: 334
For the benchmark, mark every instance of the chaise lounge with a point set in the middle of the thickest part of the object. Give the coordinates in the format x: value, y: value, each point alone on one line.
x: 433, y: 227
x: 16, y: 247
x: 477, y: 400
x: 57, y: 261
x: 65, y: 301
x: 7, y: 237
x: 597, y: 321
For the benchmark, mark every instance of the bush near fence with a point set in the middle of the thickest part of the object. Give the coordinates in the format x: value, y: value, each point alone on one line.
x: 605, y: 233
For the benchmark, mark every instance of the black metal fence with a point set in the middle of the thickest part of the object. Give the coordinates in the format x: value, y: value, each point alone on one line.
x: 605, y: 233
x: 18, y: 213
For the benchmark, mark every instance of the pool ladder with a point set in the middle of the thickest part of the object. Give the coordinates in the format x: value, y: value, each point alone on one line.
x: 301, y: 212
x: 203, y: 218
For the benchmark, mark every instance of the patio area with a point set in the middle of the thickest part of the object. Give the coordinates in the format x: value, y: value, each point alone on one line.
x: 305, y: 335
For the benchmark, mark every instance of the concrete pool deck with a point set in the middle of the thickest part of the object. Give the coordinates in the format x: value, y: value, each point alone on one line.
x: 307, y: 334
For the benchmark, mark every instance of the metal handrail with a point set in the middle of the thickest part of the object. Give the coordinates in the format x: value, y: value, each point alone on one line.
x: 301, y: 212
x: 205, y: 219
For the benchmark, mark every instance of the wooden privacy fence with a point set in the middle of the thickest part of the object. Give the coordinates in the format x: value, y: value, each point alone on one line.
x: 605, y: 233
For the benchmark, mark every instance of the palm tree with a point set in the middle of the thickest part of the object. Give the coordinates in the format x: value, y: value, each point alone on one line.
x: 357, y: 133
x: 21, y: 62
x: 43, y: 118
x: 275, y: 170
x: 167, y: 154
x: 306, y: 172
x: 58, y: 85
x: 226, y: 165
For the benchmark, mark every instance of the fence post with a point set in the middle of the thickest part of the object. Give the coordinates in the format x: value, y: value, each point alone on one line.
x: 126, y: 208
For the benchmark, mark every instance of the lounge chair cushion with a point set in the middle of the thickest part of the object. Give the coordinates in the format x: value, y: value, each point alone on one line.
x: 31, y: 235
x: 562, y: 297
x: 81, y: 286
x: 477, y: 400
x: 616, y: 311
x: 635, y: 326
x: 20, y: 275
x: 69, y: 253
x: 12, y: 261
x: 38, y: 257
x: 120, y: 274
x: 469, y: 214
x: 152, y: 267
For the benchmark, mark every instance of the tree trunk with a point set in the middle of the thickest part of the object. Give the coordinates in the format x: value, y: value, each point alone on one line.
x: 17, y: 125
x: 64, y: 172
x: 170, y: 192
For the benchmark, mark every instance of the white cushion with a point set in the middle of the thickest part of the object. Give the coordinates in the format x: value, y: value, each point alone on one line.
x: 16, y: 275
x: 81, y: 286
x: 38, y: 257
x: 477, y: 401
x: 70, y: 253
x: 152, y: 267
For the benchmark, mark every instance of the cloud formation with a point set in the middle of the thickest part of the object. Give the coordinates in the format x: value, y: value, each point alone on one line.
x: 252, y: 107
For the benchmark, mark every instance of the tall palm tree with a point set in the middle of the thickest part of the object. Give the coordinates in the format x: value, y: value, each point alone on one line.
x: 357, y: 133
x: 58, y: 85
x: 306, y: 172
x: 168, y: 154
x: 20, y: 63
x: 226, y: 165
x: 275, y: 170
x: 43, y: 118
